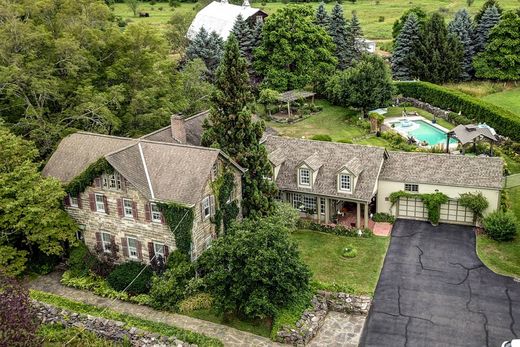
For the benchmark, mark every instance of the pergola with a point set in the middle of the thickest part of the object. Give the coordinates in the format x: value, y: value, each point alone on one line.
x: 471, y: 133
x: 293, y: 95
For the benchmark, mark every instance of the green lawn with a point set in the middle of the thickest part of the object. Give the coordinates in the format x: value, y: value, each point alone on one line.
x: 336, y: 121
x: 322, y: 252
x: 502, y: 257
x: 376, y: 16
x: 508, y: 99
x: 58, y: 335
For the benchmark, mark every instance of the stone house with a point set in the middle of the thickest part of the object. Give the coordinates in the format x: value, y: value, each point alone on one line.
x: 346, y: 183
x: 120, y: 207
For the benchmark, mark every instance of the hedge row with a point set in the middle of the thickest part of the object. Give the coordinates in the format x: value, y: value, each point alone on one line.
x: 504, y: 122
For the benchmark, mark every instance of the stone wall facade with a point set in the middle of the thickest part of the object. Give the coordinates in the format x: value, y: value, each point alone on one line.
x: 147, y: 232
x: 313, y: 318
x: 104, y: 328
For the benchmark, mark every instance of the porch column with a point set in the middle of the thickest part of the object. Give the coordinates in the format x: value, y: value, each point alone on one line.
x: 366, y: 215
x: 318, y: 209
x: 327, y: 211
x: 358, y: 215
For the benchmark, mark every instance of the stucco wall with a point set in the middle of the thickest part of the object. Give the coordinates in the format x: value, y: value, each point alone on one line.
x: 385, y: 188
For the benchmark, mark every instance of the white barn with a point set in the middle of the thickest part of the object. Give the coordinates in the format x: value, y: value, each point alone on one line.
x: 220, y: 16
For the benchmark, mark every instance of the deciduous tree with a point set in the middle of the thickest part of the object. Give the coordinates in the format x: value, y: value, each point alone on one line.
x: 31, y: 217
x: 294, y: 51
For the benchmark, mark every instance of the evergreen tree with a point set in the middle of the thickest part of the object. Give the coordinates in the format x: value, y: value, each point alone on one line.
x: 257, y: 34
x: 398, y: 24
x: 485, y: 6
x: 439, y: 54
x: 462, y: 27
x: 230, y: 128
x: 355, y: 41
x: 404, y: 54
x: 501, y: 58
x: 489, y: 19
x: 245, y: 37
x: 208, y: 47
x: 338, y: 31
x: 322, y: 18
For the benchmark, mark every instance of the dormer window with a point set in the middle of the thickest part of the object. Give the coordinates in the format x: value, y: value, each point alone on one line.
x: 305, y: 177
x: 345, y: 183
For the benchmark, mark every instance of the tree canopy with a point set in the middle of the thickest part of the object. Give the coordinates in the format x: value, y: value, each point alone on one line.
x: 404, y: 55
x: 31, y: 218
x: 462, y: 27
x: 398, y: 24
x: 294, y: 51
x: 337, y: 27
x: 501, y: 58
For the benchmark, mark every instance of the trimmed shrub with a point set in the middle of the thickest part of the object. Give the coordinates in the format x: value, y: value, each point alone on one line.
x: 504, y: 122
x: 81, y: 260
x: 321, y: 137
x: 200, y: 301
x: 501, y: 226
x: 123, y: 275
x: 383, y: 217
x: 337, y: 229
x: 349, y: 252
x: 170, y: 288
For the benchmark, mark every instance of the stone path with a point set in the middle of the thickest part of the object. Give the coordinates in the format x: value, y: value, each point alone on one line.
x: 229, y: 336
x: 339, y: 330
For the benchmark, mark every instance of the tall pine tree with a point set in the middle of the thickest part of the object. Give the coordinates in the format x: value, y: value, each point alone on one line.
x: 462, y: 27
x: 439, y: 54
x: 322, y: 18
x: 485, y: 6
x: 338, y: 31
x: 230, y: 128
x: 208, y: 47
x: 404, y: 54
x: 489, y: 19
x: 245, y: 37
x: 355, y: 41
x: 501, y: 59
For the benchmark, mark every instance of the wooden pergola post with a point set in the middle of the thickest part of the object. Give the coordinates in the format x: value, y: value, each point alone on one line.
x: 289, y: 109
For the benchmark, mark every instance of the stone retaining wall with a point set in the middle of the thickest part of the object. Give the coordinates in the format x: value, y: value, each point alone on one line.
x: 105, y: 328
x: 313, y: 318
x: 438, y: 112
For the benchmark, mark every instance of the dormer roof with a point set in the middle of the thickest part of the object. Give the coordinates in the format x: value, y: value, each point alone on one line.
x: 354, y: 166
x: 276, y: 157
x: 314, y: 161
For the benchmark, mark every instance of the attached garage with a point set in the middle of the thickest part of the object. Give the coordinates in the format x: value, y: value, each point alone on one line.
x: 451, y: 212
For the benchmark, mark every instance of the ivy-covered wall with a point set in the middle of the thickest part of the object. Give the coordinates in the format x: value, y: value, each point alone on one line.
x: 432, y: 202
x: 85, y: 179
x: 180, y: 220
x: 225, y: 212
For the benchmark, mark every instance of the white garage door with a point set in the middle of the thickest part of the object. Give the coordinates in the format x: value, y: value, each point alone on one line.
x: 451, y: 212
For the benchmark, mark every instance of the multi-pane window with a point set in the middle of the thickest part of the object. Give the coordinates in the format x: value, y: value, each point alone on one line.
x: 132, y: 247
x: 106, y: 242
x: 79, y: 232
x: 100, y: 203
x: 304, y: 203
x: 206, y: 208
x: 322, y: 205
x: 305, y: 177
x: 158, y: 249
x: 411, y: 187
x: 73, y: 201
x: 112, y: 181
x: 345, y: 183
x: 128, y: 208
x: 156, y: 213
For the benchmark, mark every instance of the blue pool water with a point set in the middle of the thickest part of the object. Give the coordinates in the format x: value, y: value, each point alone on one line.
x: 423, y: 131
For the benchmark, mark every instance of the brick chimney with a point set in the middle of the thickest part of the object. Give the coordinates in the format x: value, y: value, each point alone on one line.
x: 178, y: 128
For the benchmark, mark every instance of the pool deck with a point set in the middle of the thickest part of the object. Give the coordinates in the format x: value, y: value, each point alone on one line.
x: 388, y: 122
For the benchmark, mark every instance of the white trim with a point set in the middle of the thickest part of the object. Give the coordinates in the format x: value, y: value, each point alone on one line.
x: 146, y: 170
x: 350, y: 182
x: 155, y: 220
x: 128, y: 238
x: 131, y: 208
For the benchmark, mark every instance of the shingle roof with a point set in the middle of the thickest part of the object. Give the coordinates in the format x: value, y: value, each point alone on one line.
x: 467, y: 133
x: 355, y: 166
x: 333, y: 156
x: 219, y: 17
x: 314, y: 161
x: 276, y: 157
x: 443, y: 169
x: 77, y: 151
x: 177, y: 172
x: 193, y: 127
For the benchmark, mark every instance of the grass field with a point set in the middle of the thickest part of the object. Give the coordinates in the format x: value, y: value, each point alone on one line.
x: 322, y: 252
x: 376, y: 16
x: 508, y: 99
x: 503, y: 257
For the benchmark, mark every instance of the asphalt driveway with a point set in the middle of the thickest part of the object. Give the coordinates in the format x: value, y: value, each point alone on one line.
x: 435, y: 291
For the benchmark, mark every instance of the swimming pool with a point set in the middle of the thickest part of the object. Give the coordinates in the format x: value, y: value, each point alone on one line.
x: 422, y: 131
